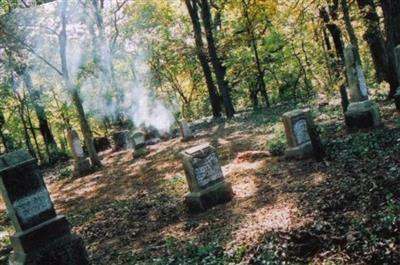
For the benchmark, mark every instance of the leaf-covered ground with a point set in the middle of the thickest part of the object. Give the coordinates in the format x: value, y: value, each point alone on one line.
x: 344, y: 210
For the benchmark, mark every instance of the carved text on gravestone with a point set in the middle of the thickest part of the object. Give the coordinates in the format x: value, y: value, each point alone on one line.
x: 301, y: 132
x: 207, y: 169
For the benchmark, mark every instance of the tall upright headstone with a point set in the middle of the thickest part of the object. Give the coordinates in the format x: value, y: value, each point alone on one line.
x: 139, y: 144
x: 121, y: 140
x: 298, y: 124
x: 186, y: 132
x: 397, y: 94
x: 362, y: 113
x: 42, y: 237
x: 81, y: 164
x: 205, y: 179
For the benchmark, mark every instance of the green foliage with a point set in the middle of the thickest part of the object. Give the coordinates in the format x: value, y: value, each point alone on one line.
x: 65, y: 173
x: 277, y: 146
x: 211, y: 254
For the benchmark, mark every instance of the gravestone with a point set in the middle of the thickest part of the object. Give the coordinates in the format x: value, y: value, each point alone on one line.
x: 298, y: 124
x: 139, y: 144
x: 361, y: 112
x: 186, y: 132
x: 205, y: 179
x: 101, y: 144
x: 81, y: 166
x: 121, y: 140
x: 42, y: 237
x: 397, y: 94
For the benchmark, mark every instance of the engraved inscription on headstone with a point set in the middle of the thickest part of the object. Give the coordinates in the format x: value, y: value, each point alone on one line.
x: 207, y: 169
x: 301, y: 132
x: 32, y: 205
x: 205, y: 178
x: 41, y: 236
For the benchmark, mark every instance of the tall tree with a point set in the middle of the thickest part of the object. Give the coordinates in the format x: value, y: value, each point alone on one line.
x: 391, y: 15
x: 219, y: 69
x: 74, y: 90
x: 260, y: 84
x: 200, y: 50
x: 374, y: 37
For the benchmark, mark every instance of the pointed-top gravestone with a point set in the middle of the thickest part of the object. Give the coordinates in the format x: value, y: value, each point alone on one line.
x: 81, y: 166
x: 361, y: 113
x: 42, y: 237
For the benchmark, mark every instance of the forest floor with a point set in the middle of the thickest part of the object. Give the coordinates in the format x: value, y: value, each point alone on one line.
x: 344, y: 210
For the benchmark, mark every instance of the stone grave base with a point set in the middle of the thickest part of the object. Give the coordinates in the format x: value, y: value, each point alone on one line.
x: 300, y: 152
x: 49, y: 243
x: 141, y: 152
x: 218, y: 193
x: 81, y: 168
x: 397, y: 99
x: 362, y: 115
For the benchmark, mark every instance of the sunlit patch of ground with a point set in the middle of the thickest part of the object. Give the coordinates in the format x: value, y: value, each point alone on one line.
x: 135, y: 207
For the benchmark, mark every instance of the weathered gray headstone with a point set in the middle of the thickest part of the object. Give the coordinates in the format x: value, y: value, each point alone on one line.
x: 81, y: 164
x: 186, y: 132
x: 205, y: 179
x: 121, y: 140
x: 397, y: 94
x: 139, y: 144
x: 42, y: 237
x: 361, y: 113
x: 297, y: 125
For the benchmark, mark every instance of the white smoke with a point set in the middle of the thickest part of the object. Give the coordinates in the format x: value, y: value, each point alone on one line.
x: 140, y: 102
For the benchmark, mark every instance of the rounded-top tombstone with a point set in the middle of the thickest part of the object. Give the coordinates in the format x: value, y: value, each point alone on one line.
x: 297, y: 125
x: 42, y: 237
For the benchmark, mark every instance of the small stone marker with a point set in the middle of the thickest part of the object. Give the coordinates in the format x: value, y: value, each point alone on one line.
x: 42, y: 237
x: 361, y: 113
x: 122, y: 140
x: 139, y: 144
x: 205, y: 179
x: 297, y: 126
x: 186, y: 132
x: 81, y: 163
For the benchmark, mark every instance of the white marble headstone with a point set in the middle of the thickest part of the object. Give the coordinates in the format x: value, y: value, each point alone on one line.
x: 300, y: 131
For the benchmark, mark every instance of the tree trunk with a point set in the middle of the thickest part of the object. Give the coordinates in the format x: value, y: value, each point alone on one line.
x: 219, y: 69
x: 391, y: 15
x: 73, y: 90
x: 374, y: 38
x: 33, y: 132
x: 44, y: 127
x: 335, y: 32
x: 212, y: 91
x: 2, y: 136
x: 260, y: 71
x: 350, y: 30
